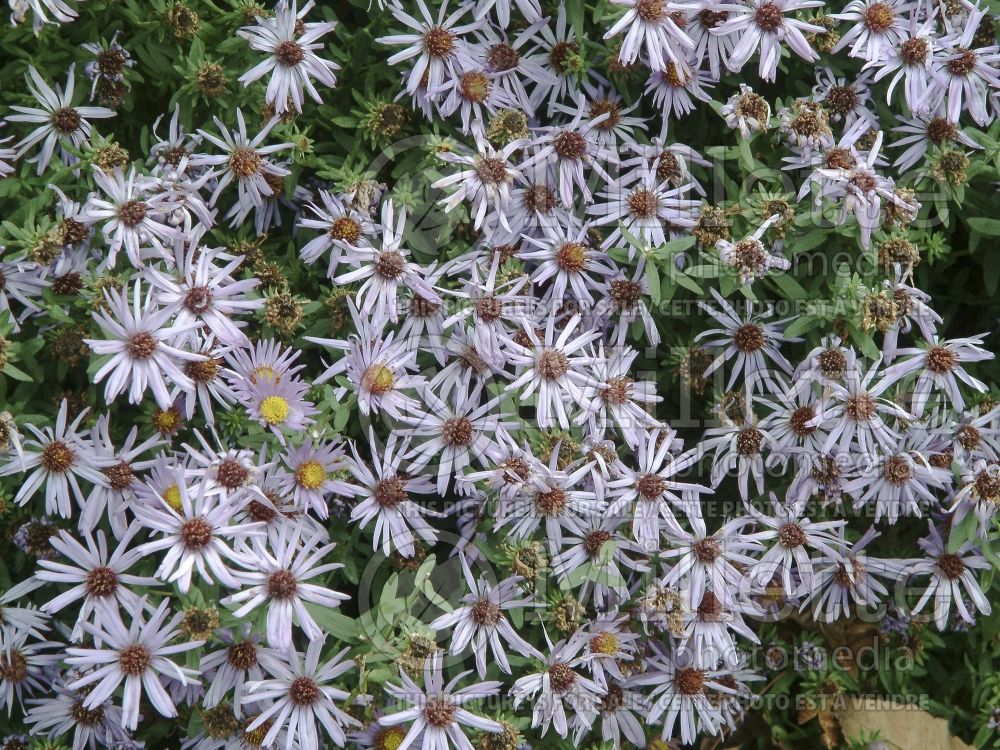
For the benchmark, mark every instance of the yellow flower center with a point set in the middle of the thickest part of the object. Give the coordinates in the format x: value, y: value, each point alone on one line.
x: 274, y: 409
x: 266, y: 374
x: 378, y: 379
x: 310, y: 475
x: 172, y: 496
x: 604, y: 643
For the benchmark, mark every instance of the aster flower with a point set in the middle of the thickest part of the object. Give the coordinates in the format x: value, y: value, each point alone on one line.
x: 704, y: 559
x: 61, y: 713
x: 437, y: 711
x: 341, y: 225
x: 437, y: 44
x: 551, y: 369
x: 109, y: 500
x: 964, y: 74
x: 568, y: 149
x: 652, y: 30
x: 909, y: 60
x: 292, y: 60
x: 58, y: 122
x: 921, y: 132
x: 552, y: 498
x: 240, y: 661
x: 646, y: 490
x: 567, y: 262
x: 619, y: 399
x: 858, y: 413
x: 764, y: 24
x: 386, y: 498
x: 137, y: 655
x: 899, y: 483
x: 877, y: 25
x: 940, y: 368
x: 58, y: 457
x: 24, y: 667
x: 747, y: 337
x: 952, y: 578
x: 595, y: 558
x: 480, y: 621
x: 376, y: 366
x: 644, y: 205
x: 203, y: 294
x: 245, y: 161
x: 281, y: 577
x: 455, y: 430
x: 515, y: 64
x: 302, y: 694
x: 196, y: 537
x: 485, y: 179
x: 41, y: 9
x: 384, y: 270
x: 96, y: 577
x: 142, y: 354
x: 795, y: 536
x: 675, y: 90
x: 738, y: 446
x: 132, y: 219
x: 311, y: 475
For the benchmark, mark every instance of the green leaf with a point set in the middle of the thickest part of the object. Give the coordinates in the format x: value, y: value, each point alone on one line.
x: 963, y: 532
x: 653, y: 279
x: 984, y: 225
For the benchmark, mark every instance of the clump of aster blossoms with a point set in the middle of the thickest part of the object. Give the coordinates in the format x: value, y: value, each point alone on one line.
x: 491, y: 374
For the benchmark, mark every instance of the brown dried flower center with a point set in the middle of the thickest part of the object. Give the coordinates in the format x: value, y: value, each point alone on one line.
x: 141, y: 345
x: 749, y: 338
x: 57, y: 457
x: 791, y: 535
x: 551, y: 502
x: 503, y: 57
x: 289, y: 53
x: 281, y: 584
x: 879, y: 17
x: 134, y: 660
x: 439, y: 42
x: 643, y: 203
x: 196, y: 534
x: 799, y: 421
x: 940, y: 360
x: 951, y: 565
x: 457, y: 431
x: 690, y: 681
x: 860, y: 408
x: 485, y: 612
x: 390, y: 265
x: 439, y: 712
x: 102, y: 582
x: 707, y: 550
x: 390, y: 492
x: 132, y: 212
x: 651, y: 486
x: 749, y: 441
x: 242, y: 655
x: 897, y: 470
x: 618, y: 391
x: 345, y: 229
x: 66, y: 120
x: 244, y: 162
x: 303, y: 691
x: 491, y: 171
x: 553, y: 364
x: 768, y: 17
x: 561, y: 677
x: 569, y: 144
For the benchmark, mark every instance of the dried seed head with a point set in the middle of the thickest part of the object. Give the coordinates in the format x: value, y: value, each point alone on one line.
x: 390, y: 492
x: 231, y: 474
x: 242, y: 655
x: 896, y: 470
x: 551, y: 502
x: 594, y: 542
x: 196, y: 534
x: 951, y: 565
x: 799, y: 421
x: 749, y: 441
x: 940, y: 360
x: 860, y: 408
x: 690, y: 681
x: 198, y: 300
x: 485, y: 612
x: 502, y: 57
x: 651, y: 486
x: 791, y: 536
